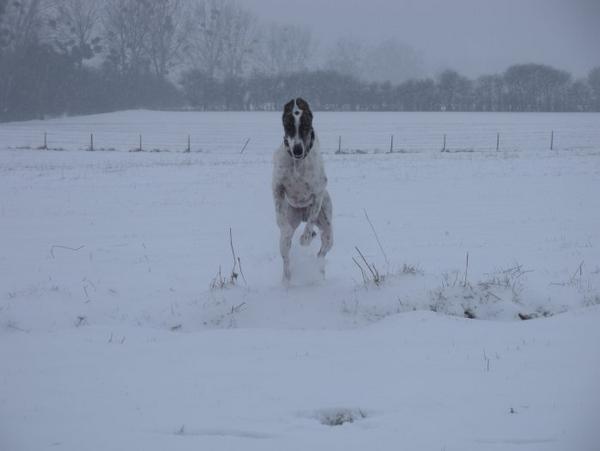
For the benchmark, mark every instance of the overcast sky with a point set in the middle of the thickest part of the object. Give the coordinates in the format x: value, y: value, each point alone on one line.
x: 471, y: 36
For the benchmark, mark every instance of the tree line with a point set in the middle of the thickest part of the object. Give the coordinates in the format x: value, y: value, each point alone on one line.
x: 87, y: 56
x: 523, y: 87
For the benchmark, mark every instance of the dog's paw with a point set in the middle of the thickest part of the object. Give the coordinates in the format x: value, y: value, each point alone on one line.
x: 307, y: 236
x: 287, y: 273
x: 321, y: 264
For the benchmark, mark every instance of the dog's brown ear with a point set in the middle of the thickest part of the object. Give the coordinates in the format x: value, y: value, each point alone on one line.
x: 288, y: 119
x: 288, y: 107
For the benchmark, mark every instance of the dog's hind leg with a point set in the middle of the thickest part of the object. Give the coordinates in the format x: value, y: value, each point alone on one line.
x: 325, y: 226
x: 285, y: 241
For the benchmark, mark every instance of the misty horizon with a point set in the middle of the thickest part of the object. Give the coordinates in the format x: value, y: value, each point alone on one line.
x: 472, y: 37
x: 429, y: 55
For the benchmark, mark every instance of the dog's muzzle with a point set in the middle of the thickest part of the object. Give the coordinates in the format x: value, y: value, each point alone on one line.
x: 296, y: 150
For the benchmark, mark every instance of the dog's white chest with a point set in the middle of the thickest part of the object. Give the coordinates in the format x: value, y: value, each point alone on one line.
x: 298, y: 192
x: 302, y: 183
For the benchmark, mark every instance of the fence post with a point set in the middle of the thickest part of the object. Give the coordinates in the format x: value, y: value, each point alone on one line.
x: 392, y: 144
x: 140, y: 142
x: 245, y: 145
x: 497, y: 142
x: 552, y: 140
x: 339, y: 144
x: 189, y: 146
x: 444, y: 148
x: 92, y: 142
x: 45, y: 147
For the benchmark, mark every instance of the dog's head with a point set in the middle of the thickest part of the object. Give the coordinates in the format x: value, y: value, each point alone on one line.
x: 297, y: 124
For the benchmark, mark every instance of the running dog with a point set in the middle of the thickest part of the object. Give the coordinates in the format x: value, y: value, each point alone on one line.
x: 299, y: 184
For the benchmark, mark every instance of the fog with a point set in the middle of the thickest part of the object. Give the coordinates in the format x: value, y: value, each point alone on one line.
x: 472, y: 36
x: 379, y: 55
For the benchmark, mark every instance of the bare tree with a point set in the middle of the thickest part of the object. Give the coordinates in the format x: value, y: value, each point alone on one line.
x: 208, y: 36
x: 75, y: 25
x: 241, y: 39
x: 488, y: 92
x: 594, y: 84
x: 223, y: 39
x: 535, y: 87
x: 347, y: 57
x: 454, y: 90
x: 23, y: 22
x: 286, y: 49
x: 126, y: 30
x: 169, y: 25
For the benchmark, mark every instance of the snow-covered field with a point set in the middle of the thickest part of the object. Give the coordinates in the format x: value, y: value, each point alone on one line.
x: 227, y: 132
x: 115, y: 333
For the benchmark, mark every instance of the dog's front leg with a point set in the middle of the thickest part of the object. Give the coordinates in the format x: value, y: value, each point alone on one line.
x: 279, y: 199
x: 313, y: 214
x: 286, y: 230
x: 285, y: 244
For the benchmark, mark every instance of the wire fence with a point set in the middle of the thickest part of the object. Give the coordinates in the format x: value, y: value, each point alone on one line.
x: 232, y: 133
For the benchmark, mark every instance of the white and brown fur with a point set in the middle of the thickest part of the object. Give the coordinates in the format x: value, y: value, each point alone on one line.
x: 299, y: 184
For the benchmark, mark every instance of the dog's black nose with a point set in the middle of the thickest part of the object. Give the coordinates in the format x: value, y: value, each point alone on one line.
x: 297, y: 150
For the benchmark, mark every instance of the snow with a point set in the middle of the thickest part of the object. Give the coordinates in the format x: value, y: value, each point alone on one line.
x: 421, y: 380
x: 111, y: 337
